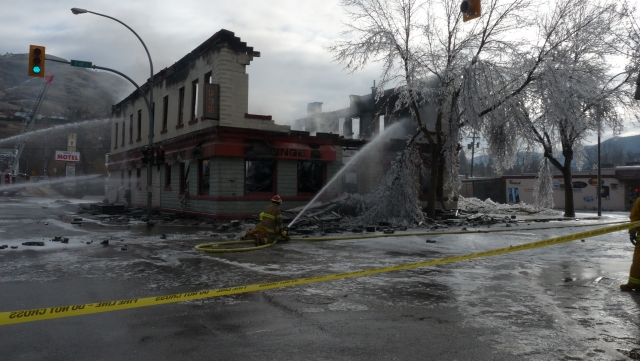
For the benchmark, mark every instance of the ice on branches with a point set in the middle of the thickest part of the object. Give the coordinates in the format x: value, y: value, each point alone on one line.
x: 543, y: 187
x: 398, y: 195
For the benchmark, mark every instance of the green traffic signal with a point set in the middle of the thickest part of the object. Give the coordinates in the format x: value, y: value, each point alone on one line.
x: 36, y: 61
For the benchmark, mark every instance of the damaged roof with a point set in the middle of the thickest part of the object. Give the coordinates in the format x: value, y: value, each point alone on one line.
x: 217, y: 40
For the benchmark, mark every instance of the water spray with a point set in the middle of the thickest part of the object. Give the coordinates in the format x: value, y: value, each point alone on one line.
x: 383, y: 137
x: 47, y: 182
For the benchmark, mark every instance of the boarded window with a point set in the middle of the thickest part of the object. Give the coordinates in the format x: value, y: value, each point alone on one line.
x: 259, y: 175
x: 165, y: 111
x: 116, y: 137
x: 123, y: 131
x: 182, y: 178
x: 203, y: 176
x: 311, y: 175
x: 140, y: 124
x: 138, y: 178
x: 181, y: 106
x: 194, y: 99
x: 131, y: 128
x: 167, y: 175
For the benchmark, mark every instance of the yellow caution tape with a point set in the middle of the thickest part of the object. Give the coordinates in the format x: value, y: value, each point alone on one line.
x: 431, y: 233
x: 40, y: 314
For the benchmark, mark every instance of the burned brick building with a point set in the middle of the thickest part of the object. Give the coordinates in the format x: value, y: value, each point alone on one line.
x: 212, y: 157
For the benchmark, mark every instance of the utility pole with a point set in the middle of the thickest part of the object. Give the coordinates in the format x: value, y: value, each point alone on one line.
x: 599, y: 186
x: 150, y: 83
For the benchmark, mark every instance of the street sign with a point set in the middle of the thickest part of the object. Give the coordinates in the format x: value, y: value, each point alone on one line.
x: 62, y: 156
x: 81, y: 63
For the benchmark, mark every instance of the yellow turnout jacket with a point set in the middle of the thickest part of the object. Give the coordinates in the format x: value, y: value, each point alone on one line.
x: 271, y: 219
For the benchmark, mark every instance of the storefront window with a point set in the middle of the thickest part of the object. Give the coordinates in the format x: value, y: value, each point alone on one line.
x: 203, y: 169
x: 259, y: 175
x: 310, y: 176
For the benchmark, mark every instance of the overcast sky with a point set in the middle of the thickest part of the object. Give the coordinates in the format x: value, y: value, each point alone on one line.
x: 293, y: 70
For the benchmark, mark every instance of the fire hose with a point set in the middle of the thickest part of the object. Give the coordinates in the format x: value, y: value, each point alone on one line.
x: 215, y: 247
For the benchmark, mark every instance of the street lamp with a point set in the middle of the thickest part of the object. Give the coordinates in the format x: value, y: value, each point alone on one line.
x: 78, y: 11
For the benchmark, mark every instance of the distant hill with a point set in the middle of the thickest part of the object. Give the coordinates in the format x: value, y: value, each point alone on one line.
x: 75, y: 94
x: 630, y: 143
x: 617, y: 151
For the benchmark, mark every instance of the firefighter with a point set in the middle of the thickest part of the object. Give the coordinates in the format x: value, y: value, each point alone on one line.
x: 270, y: 227
x: 634, y: 273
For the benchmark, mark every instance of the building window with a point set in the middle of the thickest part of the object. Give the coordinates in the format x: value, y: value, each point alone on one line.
x: 259, y: 176
x: 165, y: 112
x: 115, y: 138
x: 138, y: 178
x: 311, y: 175
x: 131, y: 129
x: 203, y: 176
x: 208, y: 79
x: 139, y: 125
x: 167, y: 176
x: 123, y: 125
x: 181, y: 106
x: 194, y: 99
x: 182, y: 179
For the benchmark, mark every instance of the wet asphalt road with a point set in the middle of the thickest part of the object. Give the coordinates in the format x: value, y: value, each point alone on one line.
x: 519, y: 306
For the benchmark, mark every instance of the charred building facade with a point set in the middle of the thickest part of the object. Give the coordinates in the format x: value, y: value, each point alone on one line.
x: 366, y: 118
x: 211, y: 157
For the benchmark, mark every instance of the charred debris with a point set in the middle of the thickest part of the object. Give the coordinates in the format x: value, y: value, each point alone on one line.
x: 337, y: 216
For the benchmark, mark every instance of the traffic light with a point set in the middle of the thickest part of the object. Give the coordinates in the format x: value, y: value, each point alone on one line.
x: 147, y: 156
x: 36, y: 61
x: 470, y: 9
x: 160, y: 155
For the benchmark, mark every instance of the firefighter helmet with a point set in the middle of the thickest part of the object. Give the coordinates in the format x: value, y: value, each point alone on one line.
x: 276, y: 199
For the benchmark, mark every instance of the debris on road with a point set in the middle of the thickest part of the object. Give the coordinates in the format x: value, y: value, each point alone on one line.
x: 33, y: 243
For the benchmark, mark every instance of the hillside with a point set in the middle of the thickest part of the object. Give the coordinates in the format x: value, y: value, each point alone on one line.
x: 76, y: 97
x: 76, y: 93
x: 617, y: 151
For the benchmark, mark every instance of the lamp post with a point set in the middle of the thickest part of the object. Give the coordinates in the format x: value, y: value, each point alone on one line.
x: 78, y: 11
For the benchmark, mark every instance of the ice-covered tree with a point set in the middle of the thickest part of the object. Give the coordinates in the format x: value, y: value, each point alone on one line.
x: 426, y: 54
x: 576, y: 84
x: 544, y: 186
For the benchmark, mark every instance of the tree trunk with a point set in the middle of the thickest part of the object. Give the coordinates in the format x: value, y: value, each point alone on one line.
x: 433, y: 181
x: 569, y: 208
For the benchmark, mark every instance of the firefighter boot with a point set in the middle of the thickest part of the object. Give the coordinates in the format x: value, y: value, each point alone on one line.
x: 630, y: 287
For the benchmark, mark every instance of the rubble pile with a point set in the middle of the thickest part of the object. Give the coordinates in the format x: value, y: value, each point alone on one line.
x: 491, y: 207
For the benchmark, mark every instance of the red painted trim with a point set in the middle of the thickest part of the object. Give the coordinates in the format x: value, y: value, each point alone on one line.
x: 193, y: 121
x: 181, y: 125
x: 167, y: 188
x: 256, y: 116
x: 138, y: 140
x: 254, y: 197
x: 238, y: 216
x: 164, y: 131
